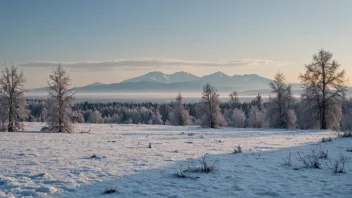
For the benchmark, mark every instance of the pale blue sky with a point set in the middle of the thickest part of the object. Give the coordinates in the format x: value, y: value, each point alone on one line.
x: 199, y: 36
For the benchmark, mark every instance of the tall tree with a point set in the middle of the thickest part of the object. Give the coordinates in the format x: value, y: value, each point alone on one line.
x: 238, y: 118
x: 210, y: 110
x: 59, y: 117
x: 12, y: 101
x: 256, y: 117
x: 279, y: 105
x: 234, y: 101
x: 324, y: 87
x: 179, y: 116
x: 258, y: 102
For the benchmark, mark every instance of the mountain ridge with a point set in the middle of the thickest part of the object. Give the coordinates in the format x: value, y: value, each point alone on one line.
x: 157, y: 81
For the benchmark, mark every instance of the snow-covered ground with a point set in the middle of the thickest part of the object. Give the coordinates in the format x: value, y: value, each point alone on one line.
x: 37, y: 164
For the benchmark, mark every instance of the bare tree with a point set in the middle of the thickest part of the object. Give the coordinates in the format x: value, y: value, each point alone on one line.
x: 234, y: 101
x: 179, y: 116
x: 59, y: 117
x: 279, y: 105
x: 324, y: 87
x: 210, y: 110
x: 258, y: 102
x: 12, y: 100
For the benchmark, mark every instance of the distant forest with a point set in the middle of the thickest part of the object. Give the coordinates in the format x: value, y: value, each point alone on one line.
x: 145, y: 113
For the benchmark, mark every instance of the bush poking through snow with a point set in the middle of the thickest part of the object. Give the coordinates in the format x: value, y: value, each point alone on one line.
x: 288, y: 160
x: 324, y: 139
x: 109, y: 191
x: 191, y: 134
x: 204, y: 166
x: 309, y: 161
x: 323, y: 154
x: 181, y: 174
x: 150, y: 145
x: 218, y: 141
x: 237, y: 149
x: 94, y: 156
x: 339, y: 165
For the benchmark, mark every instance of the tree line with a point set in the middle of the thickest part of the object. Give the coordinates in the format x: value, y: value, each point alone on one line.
x: 323, y: 104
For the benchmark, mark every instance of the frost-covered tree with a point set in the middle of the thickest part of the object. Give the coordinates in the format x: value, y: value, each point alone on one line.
x: 291, y: 119
x: 228, y: 115
x: 95, y: 117
x: 43, y: 115
x: 324, y: 88
x: 347, y: 116
x: 238, y: 118
x: 280, y: 104
x: 334, y: 116
x: 12, y: 101
x: 256, y: 118
x: 179, y: 116
x: 157, y: 118
x: 77, y: 117
x: 59, y: 116
x: 210, y: 110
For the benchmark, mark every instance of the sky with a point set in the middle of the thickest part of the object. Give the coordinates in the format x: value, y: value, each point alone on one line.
x: 110, y: 41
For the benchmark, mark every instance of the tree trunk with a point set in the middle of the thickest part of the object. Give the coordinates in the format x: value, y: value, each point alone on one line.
x: 323, y: 123
x: 10, y: 126
x: 323, y: 116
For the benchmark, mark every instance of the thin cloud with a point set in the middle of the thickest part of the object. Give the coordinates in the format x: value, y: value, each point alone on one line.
x: 156, y: 62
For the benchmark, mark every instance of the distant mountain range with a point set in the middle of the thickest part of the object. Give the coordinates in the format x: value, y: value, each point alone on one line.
x: 183, y: 82
x: 159, y: 77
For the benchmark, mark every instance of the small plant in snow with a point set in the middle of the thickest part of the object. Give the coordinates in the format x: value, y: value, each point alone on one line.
x: 191, y: 134
x: 150, y: 145
x: 309, y: 161
x: 237, y: 149
x: 218, y: 141
x: 323, y: 154
x: 204, y: 166
x: 324, y: 139
x: 109, y: 191
x: 288, y: 160
x: 181, y: 174
x: 339, y: 165
x: 94, y: 156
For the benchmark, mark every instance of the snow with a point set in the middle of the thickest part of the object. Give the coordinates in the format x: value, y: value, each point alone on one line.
x: 34, y: 164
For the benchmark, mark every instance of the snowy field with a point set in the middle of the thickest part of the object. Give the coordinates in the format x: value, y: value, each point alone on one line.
x: 34, y: 164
